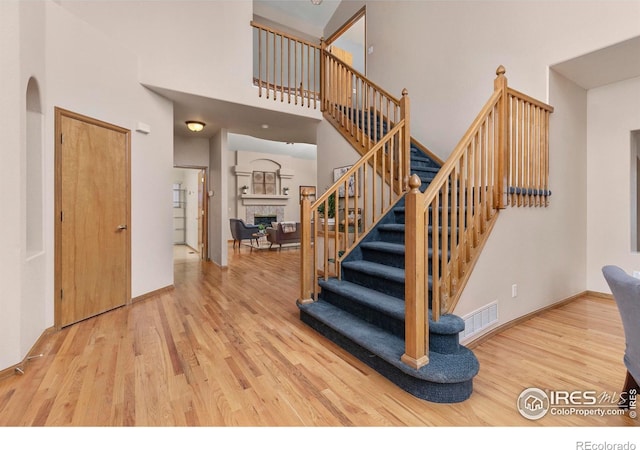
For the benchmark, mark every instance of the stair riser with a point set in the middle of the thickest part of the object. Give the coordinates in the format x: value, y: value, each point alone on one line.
x: 373, y: 316
x: 395, y: 237
x: 400, y: 216
x: 389, y: 287
x: 444, y: 343
x: 382, y: 257
x: 426, y: 390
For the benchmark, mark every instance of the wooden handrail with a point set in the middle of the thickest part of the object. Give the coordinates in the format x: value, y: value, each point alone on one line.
x: 508, y: 140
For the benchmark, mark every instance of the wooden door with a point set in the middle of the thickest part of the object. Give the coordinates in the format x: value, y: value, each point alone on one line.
x: 347, y: 58
x: 202, y: 215
x: 203, y: 211
x: 92, y: 217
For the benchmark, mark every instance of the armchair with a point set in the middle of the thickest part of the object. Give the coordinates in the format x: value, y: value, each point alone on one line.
x: 626, y: 291
x: 241, y: 230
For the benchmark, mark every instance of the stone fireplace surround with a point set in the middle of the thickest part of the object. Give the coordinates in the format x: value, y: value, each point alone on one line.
x: 265, y: 210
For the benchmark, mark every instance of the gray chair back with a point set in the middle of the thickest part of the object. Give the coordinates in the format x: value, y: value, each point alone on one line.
x: 626, y: 291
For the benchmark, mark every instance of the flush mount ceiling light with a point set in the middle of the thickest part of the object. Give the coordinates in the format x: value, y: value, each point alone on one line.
x: 316, y: 2
x: 195, y: 126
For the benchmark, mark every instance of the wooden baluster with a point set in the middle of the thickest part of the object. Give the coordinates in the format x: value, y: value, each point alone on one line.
x: 444, y: 241
x: 295, y: 71
x: 315, y: 78
x: 527, y: 152
x: 308, y: 75
x: 436, y: 258
x: 259, y: 62
x: 374, y: 191
x: 281, y: 69
x: 416, y: 325
x: 306, y: 266
x: 288, y: 70
x: 405, y: 114
x: 275, y: 86
x: 500, y: 83
x: 323, y: 75
x: 462, y: 239
x: 546, y: 152
x: 266, y: 40
x: 454, y: 225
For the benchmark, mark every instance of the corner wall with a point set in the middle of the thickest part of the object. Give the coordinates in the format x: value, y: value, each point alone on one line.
x: 613, y: 113
x: 43, y: 40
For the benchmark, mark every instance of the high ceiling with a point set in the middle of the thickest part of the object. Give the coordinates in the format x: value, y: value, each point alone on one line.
x: 240, y: 119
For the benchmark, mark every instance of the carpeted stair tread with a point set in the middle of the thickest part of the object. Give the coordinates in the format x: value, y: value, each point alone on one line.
x: 375, y: 269
x: 389, y: 305
x: 399, y: 227
x: 382, y: 246
x: 442, y: 368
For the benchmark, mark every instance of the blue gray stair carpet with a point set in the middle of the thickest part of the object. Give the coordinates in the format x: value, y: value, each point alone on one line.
x: 364, y: 312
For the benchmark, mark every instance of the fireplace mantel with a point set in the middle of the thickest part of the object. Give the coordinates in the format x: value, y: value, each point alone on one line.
x: 262, y: 199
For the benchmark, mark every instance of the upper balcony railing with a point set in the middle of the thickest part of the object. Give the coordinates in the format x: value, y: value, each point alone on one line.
x: 286, y: 67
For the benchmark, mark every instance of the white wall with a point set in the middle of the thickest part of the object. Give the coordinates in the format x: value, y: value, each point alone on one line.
x: 190, y: 152
x: 333, y: 151
x: 43, y: 40
x: 11, y: 142
x: 219, y: 208
x: 446, y: 53
x: 198, y: 47
x: 613, y: 113
x: 104, y: 84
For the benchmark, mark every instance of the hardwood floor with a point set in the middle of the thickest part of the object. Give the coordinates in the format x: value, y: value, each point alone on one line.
x: 226, y: 348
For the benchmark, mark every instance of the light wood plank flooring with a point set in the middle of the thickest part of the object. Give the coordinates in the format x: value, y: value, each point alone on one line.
x: 226, y: 348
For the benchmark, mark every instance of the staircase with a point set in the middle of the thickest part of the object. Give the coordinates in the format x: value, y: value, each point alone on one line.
x: 364, y: 311
x: 353, y: 285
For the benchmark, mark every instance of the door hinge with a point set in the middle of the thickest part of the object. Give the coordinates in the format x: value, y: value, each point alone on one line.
x: 61, y: 138
x: 61, y: 294
x: 61, y: 216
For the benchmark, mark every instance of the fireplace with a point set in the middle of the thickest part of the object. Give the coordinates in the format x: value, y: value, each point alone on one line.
x: 264, y: 214
x: 264, y: 219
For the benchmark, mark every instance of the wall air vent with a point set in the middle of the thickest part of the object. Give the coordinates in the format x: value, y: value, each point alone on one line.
x: 479, y: 320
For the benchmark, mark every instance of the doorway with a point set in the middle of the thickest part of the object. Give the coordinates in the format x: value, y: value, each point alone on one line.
x: 348, y: 42
x: 190, y: 212
x: 92, y: 221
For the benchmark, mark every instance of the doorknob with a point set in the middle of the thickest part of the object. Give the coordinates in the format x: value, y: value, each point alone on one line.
x: 122, y: 227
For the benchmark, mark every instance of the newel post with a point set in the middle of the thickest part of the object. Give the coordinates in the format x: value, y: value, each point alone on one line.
x: 405, y: 114
x: 502, y: 147
x: 306, y: 266
x: 416, y: 324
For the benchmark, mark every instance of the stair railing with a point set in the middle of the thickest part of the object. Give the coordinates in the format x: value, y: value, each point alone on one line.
x: 360, y: 198
x: 357, y: 107
x: 506, y: 143
x: 286, y: 66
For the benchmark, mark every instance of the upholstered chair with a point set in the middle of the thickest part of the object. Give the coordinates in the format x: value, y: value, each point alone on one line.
x: 626, y: 291
x: 241, y: 230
